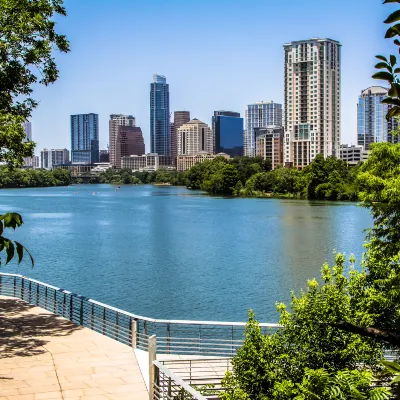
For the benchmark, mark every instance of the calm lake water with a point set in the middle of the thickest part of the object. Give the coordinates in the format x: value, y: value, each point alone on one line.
x: 167, y: 252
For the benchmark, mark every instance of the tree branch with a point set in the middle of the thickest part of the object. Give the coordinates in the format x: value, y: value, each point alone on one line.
x: 392, y: 337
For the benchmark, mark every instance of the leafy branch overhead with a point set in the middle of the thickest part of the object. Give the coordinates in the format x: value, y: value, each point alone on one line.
x: 390, y: 65
x: 12, y: 247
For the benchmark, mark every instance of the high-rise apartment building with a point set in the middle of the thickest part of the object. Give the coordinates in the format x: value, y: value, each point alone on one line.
x: 159, y: 116
x: 180, y: 118
x: 28, y: 131
x: 194, y: 137
x: 372, y: 125
x: 49, y: 158
x: 117, y: 120
x: 129, y: 142
x: 148, y: 162
x: 260, y: 115
x: 228, y: 133
x: 185, y: 162
x: 31, y: 162
x: 269, y: 144
x: 85, y: 138
x: 312, y: 100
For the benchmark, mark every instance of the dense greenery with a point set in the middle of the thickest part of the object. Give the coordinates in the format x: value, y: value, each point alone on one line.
x: 19, y: 178
x: 27, y: 42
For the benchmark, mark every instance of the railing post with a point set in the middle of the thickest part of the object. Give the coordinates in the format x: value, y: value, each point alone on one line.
x: 71, y: 308
x: 55, y: 302
x: 81, y: 314
x: 29, y: 294
x: 15, y: 286
x: 45, y: 299
x: 37, y: 294
x: 152, y: 346
x: 168, y: 337
x: 1, y: 284
x: 92, y: 317
x: 134, y: 326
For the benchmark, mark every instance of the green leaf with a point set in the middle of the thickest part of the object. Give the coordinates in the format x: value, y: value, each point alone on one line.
x: 11, y: 220
x: 393, y: 112
x: 394, y: 91
x: 381, y: 65
x: 393, y: 31
x: 9, y: 250
x: 393, y: 60
x: 397, y: 71
x: 382, y: 75
x: 392, y: 366
x: 390, y: 1
x: 381, y: 58
x: 20, y: 251
x: 393, y: 17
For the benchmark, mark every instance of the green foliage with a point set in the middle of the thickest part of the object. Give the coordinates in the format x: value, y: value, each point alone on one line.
x: 27, y: 42
x: 11, y: 247
x: 222, y: 181
x: 19, y: 178
x: 287, y: 363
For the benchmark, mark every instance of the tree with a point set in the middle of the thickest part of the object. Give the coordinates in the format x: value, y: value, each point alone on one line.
x: 223, y: 181
x: 280, y: 365
x: 27, y: 40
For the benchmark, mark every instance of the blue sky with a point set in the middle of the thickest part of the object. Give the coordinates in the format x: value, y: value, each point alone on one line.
x: 216, y: 54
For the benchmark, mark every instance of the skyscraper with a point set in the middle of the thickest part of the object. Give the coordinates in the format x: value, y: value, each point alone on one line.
x: 227, y: 129
x: 180, y: 118
x: 312, y: 100
x: 85, y: 138
x: 117, y: 120
x: 28, y: 130
x: 129, y: 142
x: 260, y: 115
x: 372, y: 125
x: 194, y: 137
x: 49, y: 158
x: 159, y: 116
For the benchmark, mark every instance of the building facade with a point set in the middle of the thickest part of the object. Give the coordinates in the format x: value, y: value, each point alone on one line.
x: 312, y: 100
x: 28, y: 131
x: 270, y: 144
x: 148, y: 162
x: 194, y: 137
x: 31, y: 162
x: 159, y: 116
x: 351, y: 154
x: 50, y: 158
x: 115, y: 121
x: 185, y: 162
x: 84, y: 138
x: 180, y: 118
x: 228, y: 134
x: 260, y: 115
x: 104, y: 156
x: 372, y: 125
x: 129, y: 142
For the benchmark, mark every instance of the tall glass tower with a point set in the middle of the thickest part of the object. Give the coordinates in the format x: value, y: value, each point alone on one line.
x: 159, y: 116
x: 85, y: 138
x: 372, y: 126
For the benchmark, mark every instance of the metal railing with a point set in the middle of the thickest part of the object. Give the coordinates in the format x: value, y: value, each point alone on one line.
x: 206, y: 338
x: 169, y: 386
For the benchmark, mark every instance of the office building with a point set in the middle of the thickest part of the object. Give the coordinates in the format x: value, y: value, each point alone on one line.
x: 270, y: 145
x: 260, y: 115
x: 351, y: 154
x: 180, y: 118
x: 228, y: 135
x: 372, y: 125
x: 185, y: 162
x: 49, y: 158
x: 84, y: 138
x: 159, y: 116
x: 104, y: 156
x: 31, y: 162
x: 117, y: 120
x: 193, y: 137
x: 129, y: 142
x: 148, y: 162
x: 28, y: 131
x: 312, y: 100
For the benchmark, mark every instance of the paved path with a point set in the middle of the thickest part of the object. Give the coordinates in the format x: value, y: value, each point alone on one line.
x: 44, y: 356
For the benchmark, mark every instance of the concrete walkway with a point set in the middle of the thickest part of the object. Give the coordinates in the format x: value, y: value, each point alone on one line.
x: 44, y: 356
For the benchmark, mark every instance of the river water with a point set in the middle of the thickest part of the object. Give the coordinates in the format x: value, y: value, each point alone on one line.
x: 167, y: 252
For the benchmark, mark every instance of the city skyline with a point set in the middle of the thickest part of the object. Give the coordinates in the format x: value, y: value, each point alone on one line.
x: 91, y: 81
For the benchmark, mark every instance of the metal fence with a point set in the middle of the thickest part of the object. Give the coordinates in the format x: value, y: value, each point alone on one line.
x: 169, y: 386
x: 206, y: 338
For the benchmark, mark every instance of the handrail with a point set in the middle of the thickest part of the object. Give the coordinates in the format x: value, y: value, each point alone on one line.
x: 216, y: 338
x: 148, y: 319
x: 179, y: 381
